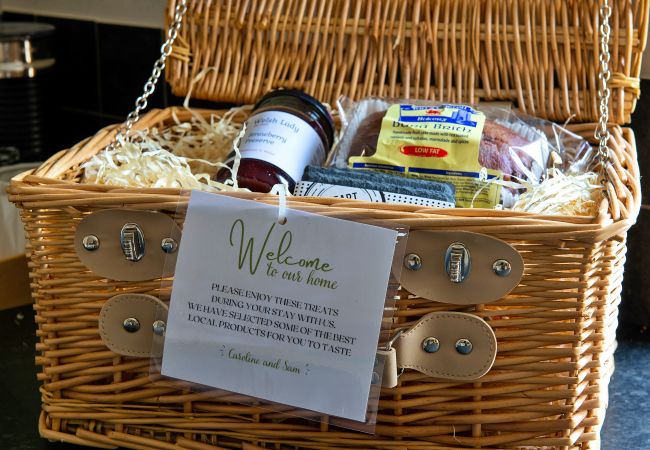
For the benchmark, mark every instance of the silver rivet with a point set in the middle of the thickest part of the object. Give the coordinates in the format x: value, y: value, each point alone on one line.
x: 169, y: 245
x: 375, y: 378
x: 464, y: 346
x: 131, y: 324
x: 413, y: 261
x: 430, y: 345
x: 502, y: 267
x: 90, y: 242
x: 159, y: 327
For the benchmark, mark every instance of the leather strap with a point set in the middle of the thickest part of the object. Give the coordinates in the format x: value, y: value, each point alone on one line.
x: 482, y: 284
x: 108, y: 259
x: 406, y: 352
x: 447, y: 362
x: 146, y: 310
x: 390, y: 375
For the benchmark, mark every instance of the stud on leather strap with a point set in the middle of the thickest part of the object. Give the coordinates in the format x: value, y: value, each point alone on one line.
x: 449, y: 345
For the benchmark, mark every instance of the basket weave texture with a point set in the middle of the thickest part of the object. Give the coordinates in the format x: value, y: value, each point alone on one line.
x: 555, y: 331
x: 542, y: 54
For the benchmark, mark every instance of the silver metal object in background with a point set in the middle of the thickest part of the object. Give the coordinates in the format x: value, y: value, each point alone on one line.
x: 25, y: 49
x: 26, y: 90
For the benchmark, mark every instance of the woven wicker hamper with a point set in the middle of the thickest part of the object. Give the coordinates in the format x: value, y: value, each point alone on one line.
x: 555, y: 330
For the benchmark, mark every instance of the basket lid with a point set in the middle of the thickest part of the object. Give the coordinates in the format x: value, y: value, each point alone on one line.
x: 543, y: 56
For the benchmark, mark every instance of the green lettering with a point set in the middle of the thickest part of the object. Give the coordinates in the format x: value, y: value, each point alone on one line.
x: 247, y: 253
x: 282, y: 249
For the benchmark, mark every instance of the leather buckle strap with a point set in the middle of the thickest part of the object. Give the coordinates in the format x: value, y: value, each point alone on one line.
x: 133, y: 325
x: 447, y: 345
x: 128, y: 245
x: 460, y: 267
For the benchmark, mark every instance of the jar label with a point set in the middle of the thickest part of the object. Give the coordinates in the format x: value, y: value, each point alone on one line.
x: 284, y: 140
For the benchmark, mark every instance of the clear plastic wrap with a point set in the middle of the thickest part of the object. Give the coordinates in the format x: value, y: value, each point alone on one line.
x: 512, y: 155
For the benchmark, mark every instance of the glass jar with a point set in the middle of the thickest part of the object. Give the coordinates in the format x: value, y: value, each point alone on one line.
x: 287, y: 131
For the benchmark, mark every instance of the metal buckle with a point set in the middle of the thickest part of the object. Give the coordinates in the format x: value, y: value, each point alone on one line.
x: 457, y: 262
x: 132, y: 242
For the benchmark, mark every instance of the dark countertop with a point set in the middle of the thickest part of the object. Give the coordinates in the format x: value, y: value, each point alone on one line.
x: 626, y: 426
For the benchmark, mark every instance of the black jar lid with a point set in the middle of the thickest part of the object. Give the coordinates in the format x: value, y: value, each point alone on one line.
x: 10, y: 31
x: 318, y: 107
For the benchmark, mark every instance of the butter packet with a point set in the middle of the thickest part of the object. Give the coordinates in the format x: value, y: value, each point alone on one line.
x: 439, y: 142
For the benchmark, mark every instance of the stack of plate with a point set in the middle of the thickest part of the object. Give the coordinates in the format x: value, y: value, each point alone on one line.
x: 25, y: 85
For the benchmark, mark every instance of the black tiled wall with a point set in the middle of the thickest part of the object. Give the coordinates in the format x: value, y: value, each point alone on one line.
x: 126, y: 56
x: 100, y: 71
x: 635, y: 308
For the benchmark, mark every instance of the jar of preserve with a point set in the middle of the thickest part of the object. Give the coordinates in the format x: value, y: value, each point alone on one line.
x: 287, y: 131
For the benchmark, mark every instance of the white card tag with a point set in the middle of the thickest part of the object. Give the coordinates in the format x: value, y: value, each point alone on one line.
x: 288, y: 313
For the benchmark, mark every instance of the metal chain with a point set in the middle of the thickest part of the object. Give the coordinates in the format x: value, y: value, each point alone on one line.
x: 604, y: 74
x: 158, y: 68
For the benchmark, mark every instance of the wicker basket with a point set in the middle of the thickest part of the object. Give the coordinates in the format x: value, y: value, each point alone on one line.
x: 541, y: 54
x: 555, y: 331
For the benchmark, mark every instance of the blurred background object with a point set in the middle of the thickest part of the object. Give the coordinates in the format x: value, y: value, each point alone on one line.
x: 14, y: 278
x: 26, y: 103
x: 26, y: 118
x: 12, y: 238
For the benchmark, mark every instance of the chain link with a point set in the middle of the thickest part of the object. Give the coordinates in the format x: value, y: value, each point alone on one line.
x: 604, y: 74
x: 158, y: 68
